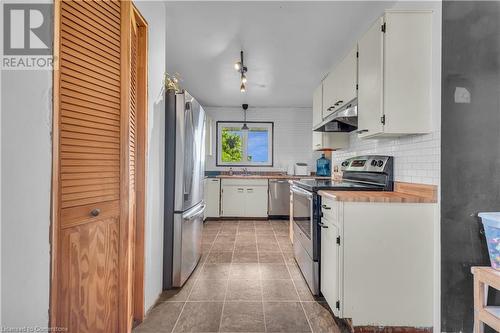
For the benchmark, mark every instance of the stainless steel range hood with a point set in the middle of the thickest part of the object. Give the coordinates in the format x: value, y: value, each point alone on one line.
x: 343, y: 120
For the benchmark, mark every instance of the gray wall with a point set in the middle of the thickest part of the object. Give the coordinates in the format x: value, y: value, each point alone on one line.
x: 26, y: 174
x: 470, y: 150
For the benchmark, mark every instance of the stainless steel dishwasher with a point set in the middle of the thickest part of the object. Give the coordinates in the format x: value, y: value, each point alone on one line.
x: 279, y: 198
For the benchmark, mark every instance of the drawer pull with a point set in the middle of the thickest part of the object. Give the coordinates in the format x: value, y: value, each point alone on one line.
x: 325, y: 207
x: 95, y: 212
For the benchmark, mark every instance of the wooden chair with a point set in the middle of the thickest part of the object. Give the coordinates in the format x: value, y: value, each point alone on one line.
x: 485, y: 277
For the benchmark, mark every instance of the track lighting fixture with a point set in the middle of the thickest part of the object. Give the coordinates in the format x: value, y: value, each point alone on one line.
x: 240, y: 67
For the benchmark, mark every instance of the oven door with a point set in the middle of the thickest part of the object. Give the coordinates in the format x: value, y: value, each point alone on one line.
x: 303, y: 219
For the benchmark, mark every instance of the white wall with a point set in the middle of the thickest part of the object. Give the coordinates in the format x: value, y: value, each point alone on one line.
x: 26, y: 175
x: 292, y: 133
x: 155, y: 14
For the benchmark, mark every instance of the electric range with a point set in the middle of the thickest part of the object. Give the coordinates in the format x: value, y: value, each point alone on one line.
x: 361, y: 173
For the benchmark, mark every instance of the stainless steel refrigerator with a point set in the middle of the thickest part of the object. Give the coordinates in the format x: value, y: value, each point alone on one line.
x: 184, y: 174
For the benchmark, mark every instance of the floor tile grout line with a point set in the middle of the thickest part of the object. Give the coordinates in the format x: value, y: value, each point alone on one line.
x: 260, y: 284
x: 227, y: 282
x: 296, y: 290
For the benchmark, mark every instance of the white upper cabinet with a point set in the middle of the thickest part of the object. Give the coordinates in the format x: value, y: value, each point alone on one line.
x: 323, y: 140
x: 318, y: 105
x: 394, y: 75
x: 339, y: 87
x: 330, y: 141
x: 209, y: 136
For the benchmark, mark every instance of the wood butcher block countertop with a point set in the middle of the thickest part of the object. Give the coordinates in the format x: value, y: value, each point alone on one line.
x: 268, y: 177
x: 403, y: 193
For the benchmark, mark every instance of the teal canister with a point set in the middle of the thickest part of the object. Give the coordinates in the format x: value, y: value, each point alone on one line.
x: 323, y: 167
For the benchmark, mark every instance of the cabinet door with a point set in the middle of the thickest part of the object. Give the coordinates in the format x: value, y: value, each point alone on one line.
x: 346, y: 77
x: 256, y: 201
x: 318, y: 105
x: 212, y: 197
x: 330, y: 268
x: 370, y: 80
x: 324, y: 140
x: 330, y: 93
x: 317, y: 140
x: 209, y: 136
x: 233, y: 200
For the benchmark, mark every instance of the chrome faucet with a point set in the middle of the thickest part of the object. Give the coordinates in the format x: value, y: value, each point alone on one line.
x: 245, y: 171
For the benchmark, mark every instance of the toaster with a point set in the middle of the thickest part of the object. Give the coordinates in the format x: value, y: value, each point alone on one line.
x: 301, y: 169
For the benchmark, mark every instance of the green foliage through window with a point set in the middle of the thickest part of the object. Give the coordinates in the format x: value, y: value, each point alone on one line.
x: 232, y: 146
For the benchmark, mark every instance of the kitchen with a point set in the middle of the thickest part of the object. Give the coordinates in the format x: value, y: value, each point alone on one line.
x: 251, y: 166
x: 301, y: 202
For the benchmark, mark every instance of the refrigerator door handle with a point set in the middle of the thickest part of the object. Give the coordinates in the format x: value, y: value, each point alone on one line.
x: 194, y: 212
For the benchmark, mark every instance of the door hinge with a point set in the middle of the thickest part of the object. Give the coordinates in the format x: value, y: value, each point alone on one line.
x: 338, y: 240
x: 337, y: 305
x: 357, y: 54
x: 382, y: 119
x: 383, y: 27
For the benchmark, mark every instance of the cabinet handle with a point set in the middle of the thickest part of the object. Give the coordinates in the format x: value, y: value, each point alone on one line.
x: 339, y: 102
x: 322, y: 225
x: 250, y: 190
x: 241, y: 190
x: 325, y: 207
x: 361, y: 131
x: 95, y: 212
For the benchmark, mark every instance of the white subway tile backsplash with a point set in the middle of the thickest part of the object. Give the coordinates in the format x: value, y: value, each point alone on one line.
x: 416, y: 157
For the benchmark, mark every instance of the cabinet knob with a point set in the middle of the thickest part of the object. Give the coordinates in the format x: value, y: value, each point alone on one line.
x: 95, y: 212
x: 361, y: 131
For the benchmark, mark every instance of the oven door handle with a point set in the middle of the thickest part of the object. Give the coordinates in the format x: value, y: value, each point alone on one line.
x: 300, y: 191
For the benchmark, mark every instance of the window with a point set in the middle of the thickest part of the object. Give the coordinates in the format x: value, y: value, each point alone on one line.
x: 237, y: 147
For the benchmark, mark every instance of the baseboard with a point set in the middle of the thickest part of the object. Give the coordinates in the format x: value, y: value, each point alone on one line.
x: 391, y: 329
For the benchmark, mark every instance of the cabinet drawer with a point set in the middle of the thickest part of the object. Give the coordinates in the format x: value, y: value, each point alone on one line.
x: 330, y: 209
x: 244, y: 182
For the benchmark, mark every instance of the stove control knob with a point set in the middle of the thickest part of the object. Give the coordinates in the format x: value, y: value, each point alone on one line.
x: 374, y: 163
x: 345, y: 163
x: 380, y: 163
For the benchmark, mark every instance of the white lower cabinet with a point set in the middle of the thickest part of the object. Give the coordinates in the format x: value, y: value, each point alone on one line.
x: 381, y: 273
x: 330, y: 271
x: 212, y: 197
x: 244, y: 197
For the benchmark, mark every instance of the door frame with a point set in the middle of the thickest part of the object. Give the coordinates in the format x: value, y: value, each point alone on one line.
x: 141, y: 165
x: 125, y: 255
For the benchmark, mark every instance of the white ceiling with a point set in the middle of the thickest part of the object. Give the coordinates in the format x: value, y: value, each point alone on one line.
x: 289, y: 47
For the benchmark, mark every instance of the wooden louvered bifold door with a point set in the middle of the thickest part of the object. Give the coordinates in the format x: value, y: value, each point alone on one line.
x: 88, y: 264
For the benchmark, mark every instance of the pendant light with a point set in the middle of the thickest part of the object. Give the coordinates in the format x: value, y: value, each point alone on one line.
x: 240, y: 67
x: 245, y: 126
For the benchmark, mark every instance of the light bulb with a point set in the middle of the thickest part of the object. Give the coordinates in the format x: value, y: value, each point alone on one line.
x: 242, y: 88
x: 244, y: 78
x: 237, y: 66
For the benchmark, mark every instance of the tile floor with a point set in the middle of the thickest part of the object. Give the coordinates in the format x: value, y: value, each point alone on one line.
x: 247, y: 281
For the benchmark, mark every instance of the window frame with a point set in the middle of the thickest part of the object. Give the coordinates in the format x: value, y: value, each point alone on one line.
x: 218, y: 154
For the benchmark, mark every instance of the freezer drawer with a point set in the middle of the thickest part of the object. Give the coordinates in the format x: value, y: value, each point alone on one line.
x: 279, y: 197
x: 187, y: 243
x: 308, y: 267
